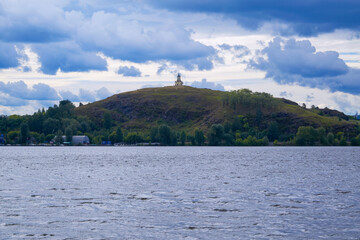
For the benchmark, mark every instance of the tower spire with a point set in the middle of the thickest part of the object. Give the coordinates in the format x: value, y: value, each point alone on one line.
x: 178, y: 81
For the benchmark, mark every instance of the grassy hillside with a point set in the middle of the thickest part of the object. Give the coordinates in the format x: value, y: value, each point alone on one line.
x: 179, y: 107
x: 186, y: 108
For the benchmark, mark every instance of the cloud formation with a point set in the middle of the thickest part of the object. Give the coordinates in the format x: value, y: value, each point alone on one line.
x: 285, y: 94
x: 68, y: 35
x: 86, y: 95
x: 17, y: 94
x: 305, y: 18
x: 68, y: 57
x: 103, y: 93
x: 210, y: 85
x: 129, y: 71
x: 291, y: 57
x: 238, y: 51
x: 20, y: 90
x: 8, y: 56
x: 6, y: 100
x: 67, y: 95
x: 297, y: 62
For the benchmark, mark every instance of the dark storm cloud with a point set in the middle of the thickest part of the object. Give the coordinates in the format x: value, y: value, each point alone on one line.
x: 306, y: 17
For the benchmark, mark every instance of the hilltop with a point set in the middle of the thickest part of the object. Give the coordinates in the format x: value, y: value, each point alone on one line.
x: 187, y: 108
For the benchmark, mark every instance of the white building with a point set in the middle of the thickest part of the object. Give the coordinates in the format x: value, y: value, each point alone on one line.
x: 80, y: 140
x: 76, y: 140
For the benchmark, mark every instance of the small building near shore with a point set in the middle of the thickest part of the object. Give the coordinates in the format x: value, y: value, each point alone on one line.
x: 78, y: 140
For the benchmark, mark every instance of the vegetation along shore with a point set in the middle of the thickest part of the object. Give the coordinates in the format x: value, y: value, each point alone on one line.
x: 182, y: 115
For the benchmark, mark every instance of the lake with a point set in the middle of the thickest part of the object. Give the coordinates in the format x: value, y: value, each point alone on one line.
x: 179, y: 192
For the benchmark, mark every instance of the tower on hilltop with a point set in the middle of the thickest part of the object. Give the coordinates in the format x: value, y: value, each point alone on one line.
x: 178, y: 81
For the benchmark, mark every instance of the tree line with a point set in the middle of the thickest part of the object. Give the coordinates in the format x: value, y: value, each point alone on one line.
x: 49, y: 126
x: 245, y: 98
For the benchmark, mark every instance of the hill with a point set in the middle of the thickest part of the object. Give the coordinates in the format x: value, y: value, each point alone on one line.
x: 187, y: 108
x: 184, y: 115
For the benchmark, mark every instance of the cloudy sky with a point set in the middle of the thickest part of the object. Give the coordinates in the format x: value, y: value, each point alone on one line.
x: 85, y: 50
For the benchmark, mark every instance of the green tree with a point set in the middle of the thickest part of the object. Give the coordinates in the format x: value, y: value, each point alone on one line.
x: 14, y: 122
x: 51, y: 126
x: 339, y: 135
x: 216, y: 134
x: 265, y: 141
x: 68, y: 134
x: 306, y: 136
x: 236, y: 124
x: 199, y: 137
x: 343, y: 141
x: 112, y: 137
x: 35, y: 136
x: 58, y: 137
x: 49, y: 137
x: 165, y: 135
x: 355, y: 141
x: 24, y: 133
x: 182, y: 138
x: 36, y: 122
x: 84, y: 126
x: 330, y: 138
x: 42, y: 138
x: 191, y: 139
x: 259, y: 115
x: 273, y: 131
x: 133, y: 138
x: 321, y: 135
x: 107, y: 121
x: 229, y: 140
x: 227, y: 127
x: 13, y: 136
x: 251, y: 141
x: 154, y: 134
x: 71, y: 123
x: 66, y: 109
x: 119, y: 137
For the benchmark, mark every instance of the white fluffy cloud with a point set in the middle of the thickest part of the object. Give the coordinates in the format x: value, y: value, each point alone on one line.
x: 19, y: 94
x: 20, y: 90
x: 298, y: 62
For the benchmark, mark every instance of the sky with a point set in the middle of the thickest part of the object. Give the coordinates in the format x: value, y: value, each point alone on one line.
x: 86, y: 50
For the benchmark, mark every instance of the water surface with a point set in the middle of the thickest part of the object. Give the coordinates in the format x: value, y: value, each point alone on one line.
x: 179, y: 193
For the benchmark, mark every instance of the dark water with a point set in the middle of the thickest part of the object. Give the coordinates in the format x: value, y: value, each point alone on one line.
x: 179, y: 193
